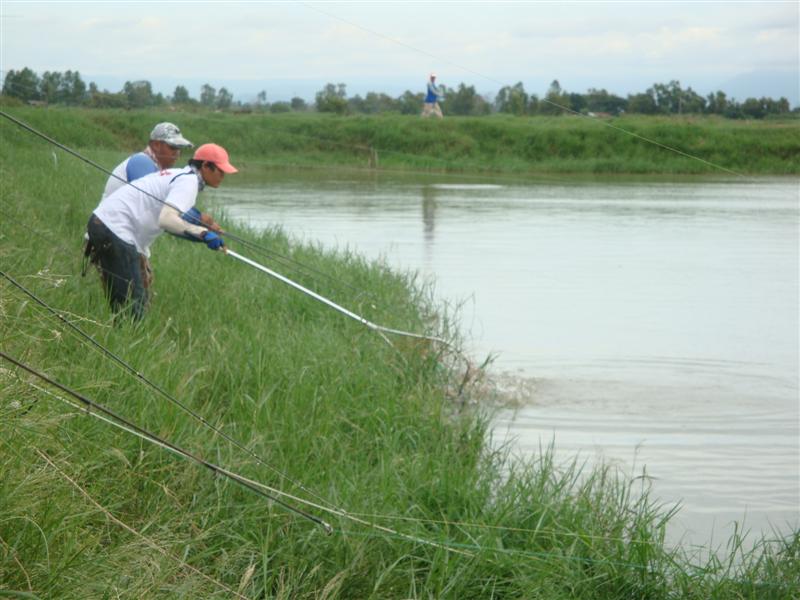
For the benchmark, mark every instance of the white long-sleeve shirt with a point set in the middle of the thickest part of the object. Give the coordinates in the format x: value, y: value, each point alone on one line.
x: 138, y: 216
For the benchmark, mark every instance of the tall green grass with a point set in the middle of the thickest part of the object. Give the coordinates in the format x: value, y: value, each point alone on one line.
x: 339, y: 415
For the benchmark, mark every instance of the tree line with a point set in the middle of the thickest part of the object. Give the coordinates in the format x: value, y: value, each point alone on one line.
x: 67, y: 88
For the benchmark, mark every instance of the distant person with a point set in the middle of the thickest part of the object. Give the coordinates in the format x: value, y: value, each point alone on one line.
x: 126, y: 222
x: 431, y: 105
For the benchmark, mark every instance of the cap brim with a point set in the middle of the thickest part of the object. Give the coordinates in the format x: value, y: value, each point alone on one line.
x: 179, y: 142
x: 227, y: 167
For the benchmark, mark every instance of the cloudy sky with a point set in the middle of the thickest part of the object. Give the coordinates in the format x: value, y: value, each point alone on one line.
x: 294, y: 48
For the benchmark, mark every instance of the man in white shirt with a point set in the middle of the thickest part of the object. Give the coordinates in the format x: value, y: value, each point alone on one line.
x: 126, y: 222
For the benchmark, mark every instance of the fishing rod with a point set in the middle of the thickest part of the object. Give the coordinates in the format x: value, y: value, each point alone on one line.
x: 324, y: 505
x: 216, y: 469
x: 297, y: 265
x: 329, y: 506
x: 375, y: 327
x: 250, y: 484
x: 161, y: 391
x: 357, y: 518
x: 378, y: 328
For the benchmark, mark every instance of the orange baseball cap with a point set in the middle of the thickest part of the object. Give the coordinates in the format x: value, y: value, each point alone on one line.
x: 217, y: 155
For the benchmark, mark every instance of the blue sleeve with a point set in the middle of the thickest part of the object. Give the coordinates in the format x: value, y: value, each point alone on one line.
x: 192, y: 216
x: 138, y: 166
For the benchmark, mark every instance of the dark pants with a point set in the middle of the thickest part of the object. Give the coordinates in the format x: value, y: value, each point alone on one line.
x: 122, y: 268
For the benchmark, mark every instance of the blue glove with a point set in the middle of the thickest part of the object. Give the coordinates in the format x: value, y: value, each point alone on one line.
x: 213, y: 241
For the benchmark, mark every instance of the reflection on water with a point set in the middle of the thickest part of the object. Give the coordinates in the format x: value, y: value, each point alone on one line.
x: 656, y: 324
x: 428, y: 213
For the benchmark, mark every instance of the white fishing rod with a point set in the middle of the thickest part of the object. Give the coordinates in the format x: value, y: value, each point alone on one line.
x: 375, y: 327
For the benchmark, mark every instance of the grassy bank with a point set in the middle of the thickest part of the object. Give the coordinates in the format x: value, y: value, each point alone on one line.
x: 497, y: 144
x: 341, y: 418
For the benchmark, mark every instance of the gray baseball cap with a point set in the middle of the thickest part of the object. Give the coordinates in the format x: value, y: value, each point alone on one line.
x: 170, y: 134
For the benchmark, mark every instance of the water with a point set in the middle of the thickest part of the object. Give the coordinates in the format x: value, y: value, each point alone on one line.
x: 652, y: 325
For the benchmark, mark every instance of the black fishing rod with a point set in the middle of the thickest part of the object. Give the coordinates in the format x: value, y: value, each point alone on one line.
x: 378, y: 328
x: 216, y: 469
x: 325, y: 506
x: 161, y: 391
x: 254, y: 486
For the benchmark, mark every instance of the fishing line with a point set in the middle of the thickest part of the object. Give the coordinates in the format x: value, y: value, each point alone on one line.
x: 508, y: 528
x: 564, y: 108
x: 513, y: 552
x: 559, y: 557
x: 94, y: 164
x: 256, y: 487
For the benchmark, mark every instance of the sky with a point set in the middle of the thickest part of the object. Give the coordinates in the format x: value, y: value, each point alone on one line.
x: 294, y: 48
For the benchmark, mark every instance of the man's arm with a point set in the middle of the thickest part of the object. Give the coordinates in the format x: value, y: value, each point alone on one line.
x: 170, y: 220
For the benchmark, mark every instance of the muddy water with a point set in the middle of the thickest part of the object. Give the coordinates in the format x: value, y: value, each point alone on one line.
x: 653, y: 325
